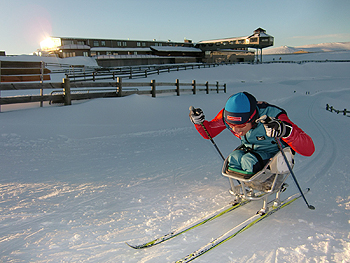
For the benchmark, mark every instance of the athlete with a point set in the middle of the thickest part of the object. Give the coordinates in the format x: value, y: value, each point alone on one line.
x: 256, y: 124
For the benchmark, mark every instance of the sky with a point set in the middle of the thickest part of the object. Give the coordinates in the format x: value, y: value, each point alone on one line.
x: 24, y: 24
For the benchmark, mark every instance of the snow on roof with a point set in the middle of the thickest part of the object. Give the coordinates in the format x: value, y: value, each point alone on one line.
x: 175, y: 49
x: 262, y: 34
x: 120, y: 49
x: 73, y: 46
x: 221, y: 40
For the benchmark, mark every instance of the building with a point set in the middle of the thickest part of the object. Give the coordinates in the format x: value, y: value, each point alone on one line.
x: 121, y: 52
x: 237, y: 46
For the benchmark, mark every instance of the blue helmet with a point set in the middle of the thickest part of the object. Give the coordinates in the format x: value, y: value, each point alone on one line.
x: 240, y: 108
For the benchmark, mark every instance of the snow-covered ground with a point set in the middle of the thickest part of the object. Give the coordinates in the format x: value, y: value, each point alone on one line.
x: 79, y: 181
x: 330, y: 51
x: 324, y: 47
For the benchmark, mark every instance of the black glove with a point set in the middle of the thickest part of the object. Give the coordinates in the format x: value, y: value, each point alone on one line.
x: 197, y: 116
x: 275, y: 127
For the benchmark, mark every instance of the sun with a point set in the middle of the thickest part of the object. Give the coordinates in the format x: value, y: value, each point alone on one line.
x: 50, y: 43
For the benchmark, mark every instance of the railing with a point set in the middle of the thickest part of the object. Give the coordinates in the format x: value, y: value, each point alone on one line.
x: 331, y: 109
x: 18, y: 71
x: 143, y: 71
x: 101, y: 90
x: 132, y: 72
x: 305, y: 61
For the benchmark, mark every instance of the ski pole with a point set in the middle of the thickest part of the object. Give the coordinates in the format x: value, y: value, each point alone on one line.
x: 216, y: 147
x: 210, y: 138
x: 291, y: 172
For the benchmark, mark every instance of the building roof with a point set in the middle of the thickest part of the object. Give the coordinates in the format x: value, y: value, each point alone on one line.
x: 221, y: 40
x: 175, y: 49
x: 74, y: 47
x: 120, y: 49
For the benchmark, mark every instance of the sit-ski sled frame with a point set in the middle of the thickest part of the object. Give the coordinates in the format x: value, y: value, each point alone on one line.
x: 270, y: 180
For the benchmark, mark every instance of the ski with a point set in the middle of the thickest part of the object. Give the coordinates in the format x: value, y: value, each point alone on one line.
x: 201, y: 221
x: 241, y: 227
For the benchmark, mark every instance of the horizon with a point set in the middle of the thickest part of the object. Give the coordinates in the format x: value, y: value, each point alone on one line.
x: 291, y: 24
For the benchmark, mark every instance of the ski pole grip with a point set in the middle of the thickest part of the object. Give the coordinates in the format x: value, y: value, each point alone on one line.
x: 191, y: 108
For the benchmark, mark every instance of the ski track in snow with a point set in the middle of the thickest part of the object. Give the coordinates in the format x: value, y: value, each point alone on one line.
x: 327, y: 152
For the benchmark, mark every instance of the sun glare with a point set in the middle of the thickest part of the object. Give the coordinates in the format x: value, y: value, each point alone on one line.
x: 50, y: 43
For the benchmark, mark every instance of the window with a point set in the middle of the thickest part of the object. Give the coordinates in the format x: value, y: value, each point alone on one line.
x: 103, y: 43
x: 119, y: 44
x: 124, y: 44
x: 81, y: 42
x: 67, y: 42
x: 254, y: 40
x: 85, y: 53
x: 143, y: 44
x: 96, y: 43
x: 138, y: 44
x: 68, y: 54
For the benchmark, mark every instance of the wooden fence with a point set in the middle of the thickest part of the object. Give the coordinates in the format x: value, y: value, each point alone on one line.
x: 331, y: 109
x: 132, y: 72
x: 17, y: 71
x: 68, y: 91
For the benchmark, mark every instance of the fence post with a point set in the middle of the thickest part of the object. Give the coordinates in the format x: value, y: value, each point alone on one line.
x: 177, y: 84
x: 344, y: 112
x: 207, y: 87
x: 194, y: 86
x: 42, y: 80
x: 66, y: 92
x: 153, y: 88
x: 327, y: 106
x: 130, y: 77
x: 0, y: 82
x: 217, y: 87
x: 146, y: 73
x: 225, y: 88
x: 119, y: 87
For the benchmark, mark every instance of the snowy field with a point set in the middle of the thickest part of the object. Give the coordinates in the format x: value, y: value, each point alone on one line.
x: 79, y: 181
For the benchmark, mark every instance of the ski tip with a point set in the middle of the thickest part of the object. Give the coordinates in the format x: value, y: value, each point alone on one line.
x: 132, y: 246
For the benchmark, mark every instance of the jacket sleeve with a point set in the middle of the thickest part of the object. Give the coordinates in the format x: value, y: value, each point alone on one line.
x: 214, y: 127
x: 298, y: 140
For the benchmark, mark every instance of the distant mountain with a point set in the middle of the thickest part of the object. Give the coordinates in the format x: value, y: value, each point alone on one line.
x: 324, y: 47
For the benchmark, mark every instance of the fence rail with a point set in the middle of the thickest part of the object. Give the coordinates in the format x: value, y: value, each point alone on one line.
x: 331, y: 109
x: 133, y: 72
x: 68, y: 90
x: 17, y: 71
